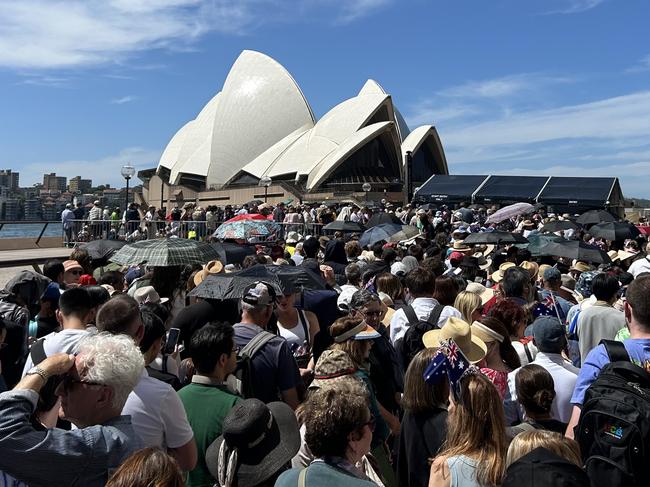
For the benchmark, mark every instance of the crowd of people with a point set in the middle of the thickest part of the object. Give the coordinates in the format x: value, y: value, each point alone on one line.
x: 120, y: 376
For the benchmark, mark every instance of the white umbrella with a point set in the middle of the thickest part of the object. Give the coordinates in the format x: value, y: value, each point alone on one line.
x: 509, y: 212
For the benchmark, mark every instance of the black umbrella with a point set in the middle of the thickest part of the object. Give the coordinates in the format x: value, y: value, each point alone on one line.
x: 282, y: 278
x: 495, y: 237
x: 467, y: 215
x: 383, y: 231
x: 379, y: 218
x: 575, y: 249
x: 595, y: 216
x: 342, y: 226
x: 102, y: 249
x: 232, y: 253
x: 537, y: 241
x: 559, y: 225
x: 254, y: 203
x: 614, y: 231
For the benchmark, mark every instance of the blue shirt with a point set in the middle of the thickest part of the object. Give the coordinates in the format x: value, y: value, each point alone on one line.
x: 274, y: 367
x: 84, y: 456
x: 637, y: 348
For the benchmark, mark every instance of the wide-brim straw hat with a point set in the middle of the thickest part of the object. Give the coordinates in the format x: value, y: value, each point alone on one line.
x: 531, y: 267
x: 497, y: 276
x: 580, y: 267
x: 461, y: 333
x: 212, y: 267
x: 459, y: 246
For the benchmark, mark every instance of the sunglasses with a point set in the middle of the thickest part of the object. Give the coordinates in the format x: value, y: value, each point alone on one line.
x: 371, y: 313
x: 76, y: 273
x: 68, y: 381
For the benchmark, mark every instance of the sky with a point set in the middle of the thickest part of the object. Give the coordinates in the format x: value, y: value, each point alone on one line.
x: 524, y: 87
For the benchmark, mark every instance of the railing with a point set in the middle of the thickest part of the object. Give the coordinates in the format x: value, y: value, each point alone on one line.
x: 81, y: 231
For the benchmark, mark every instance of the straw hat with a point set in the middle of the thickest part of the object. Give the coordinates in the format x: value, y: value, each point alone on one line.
x: 497, y: 276
x: 531, y: 267
x: 486, y: 333
x: 580, y: 267
x: 485, y: 293
x: 623, y: 255
x: 459, y: 246
x: 613, y: 255
x: 212, y: 267
x: 147, y: 294
x: 461, y: 332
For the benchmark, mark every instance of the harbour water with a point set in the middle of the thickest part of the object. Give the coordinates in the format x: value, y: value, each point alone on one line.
x: 30, y: 230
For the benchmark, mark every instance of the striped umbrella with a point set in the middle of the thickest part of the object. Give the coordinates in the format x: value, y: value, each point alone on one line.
x: 165, y: 252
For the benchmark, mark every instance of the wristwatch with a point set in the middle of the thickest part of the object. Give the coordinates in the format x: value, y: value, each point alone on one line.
x: 38, y: 371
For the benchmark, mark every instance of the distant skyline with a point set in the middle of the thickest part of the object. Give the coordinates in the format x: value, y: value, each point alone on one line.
x: 537, y: 87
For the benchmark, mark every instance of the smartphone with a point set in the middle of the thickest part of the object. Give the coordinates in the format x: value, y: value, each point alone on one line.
x: 172, y: 340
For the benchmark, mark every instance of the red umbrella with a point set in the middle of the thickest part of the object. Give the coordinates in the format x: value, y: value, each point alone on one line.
x: 247, y: 216
x: 643, y: 229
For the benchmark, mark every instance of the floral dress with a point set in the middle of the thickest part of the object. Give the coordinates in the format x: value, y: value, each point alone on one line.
x: 499, y: 378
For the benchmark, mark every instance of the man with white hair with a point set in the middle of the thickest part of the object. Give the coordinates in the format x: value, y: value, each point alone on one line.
x: 93, y: 392
x: 275, y: 373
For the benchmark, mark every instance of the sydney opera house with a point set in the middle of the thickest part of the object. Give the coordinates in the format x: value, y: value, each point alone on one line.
x: 260, y: 127
x: 259, y: 137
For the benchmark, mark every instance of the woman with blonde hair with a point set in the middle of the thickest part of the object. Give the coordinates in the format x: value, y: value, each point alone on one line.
x: 474, y: 453
x: 557, y: 443
x: 469, y: 305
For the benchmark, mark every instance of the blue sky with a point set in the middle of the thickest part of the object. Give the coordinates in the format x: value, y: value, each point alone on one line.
x: 557, y: 87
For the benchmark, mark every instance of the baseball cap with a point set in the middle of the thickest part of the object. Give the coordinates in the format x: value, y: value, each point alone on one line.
x: 548, y: 333
x: 259, y: 293
x: 52, y: 292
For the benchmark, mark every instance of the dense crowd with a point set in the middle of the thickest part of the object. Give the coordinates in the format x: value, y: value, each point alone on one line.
x: 424, y: 361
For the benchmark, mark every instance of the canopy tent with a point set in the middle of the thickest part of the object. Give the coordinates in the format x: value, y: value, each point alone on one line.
x: 448, y: 189
x: 575, y: 195
x: 563, y: 194
x: 510, y: 189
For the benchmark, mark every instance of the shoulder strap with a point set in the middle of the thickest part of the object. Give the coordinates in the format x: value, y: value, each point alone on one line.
x: 305, y: 324
x: 615, y: 351
x: 529, y: 355
x: 38, y: 351
x: 410, y: 315
x: 302, y: 478
x: 256, y: 343
x: 434, y: 316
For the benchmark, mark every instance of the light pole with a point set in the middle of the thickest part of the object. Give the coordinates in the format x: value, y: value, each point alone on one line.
x: 128, y: 172
x: 266, y: 182
x: 366, y: 189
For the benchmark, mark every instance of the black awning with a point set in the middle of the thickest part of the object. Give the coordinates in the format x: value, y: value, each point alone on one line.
x: 451, y: 189
x: 510, y: 189
x: 579, y: 193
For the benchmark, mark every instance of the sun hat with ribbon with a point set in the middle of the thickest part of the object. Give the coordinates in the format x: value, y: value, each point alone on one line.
x: 148, y: 294
x: 461, y: 333
x: 332, y: 366
x: 362, y: 331
x: 257, y: 440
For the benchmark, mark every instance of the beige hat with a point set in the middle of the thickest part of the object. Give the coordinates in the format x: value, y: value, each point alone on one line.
x: 147, y: 294
x: 623, y: 255
x: 580, y: 267
x: 459, y: 246
x: 497, y: 275
x: 613, y: 255
x: 486, y: 333
x: 68, y: 265
x: 531, y: 267
x: 212, y: 267
x: 461, y: 332
x: 485, y: 293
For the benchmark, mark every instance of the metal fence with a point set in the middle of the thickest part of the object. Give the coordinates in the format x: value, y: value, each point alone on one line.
x: 81, y: 231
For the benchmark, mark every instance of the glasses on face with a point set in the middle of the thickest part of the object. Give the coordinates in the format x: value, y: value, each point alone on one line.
x: 68, y: 381
x: 376, y: 314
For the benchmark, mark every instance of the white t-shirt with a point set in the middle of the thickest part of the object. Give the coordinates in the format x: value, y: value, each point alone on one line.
x: 399, y: 323
x: 639, y: 266
x: 157, y: 414
x: 64, y: 341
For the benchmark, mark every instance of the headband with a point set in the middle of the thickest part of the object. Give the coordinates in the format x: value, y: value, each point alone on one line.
x: 350, y: 333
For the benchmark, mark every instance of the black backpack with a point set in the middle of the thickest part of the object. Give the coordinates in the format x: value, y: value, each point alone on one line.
x: 411, y: 343
x: 241, y: 381
x: 614, y: 426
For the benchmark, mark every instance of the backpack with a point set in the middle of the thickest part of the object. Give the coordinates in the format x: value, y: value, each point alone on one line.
x: 614, y: 427
x: 411, y: 343
x: 241, y: 380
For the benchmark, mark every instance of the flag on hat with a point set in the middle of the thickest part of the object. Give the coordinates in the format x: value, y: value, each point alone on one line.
x: 451, y: 362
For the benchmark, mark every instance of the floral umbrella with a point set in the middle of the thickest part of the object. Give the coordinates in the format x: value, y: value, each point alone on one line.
x: 247, y: 229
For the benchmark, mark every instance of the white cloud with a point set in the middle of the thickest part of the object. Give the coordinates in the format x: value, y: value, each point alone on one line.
x: 506, y: 86
x: 642, y: 65
x: 428, y: 113
x: 576, y: 6
x: 43, y: 34
x: 107, y: 167
x: 124, y: 99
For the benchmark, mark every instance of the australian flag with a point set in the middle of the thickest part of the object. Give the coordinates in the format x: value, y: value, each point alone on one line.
x: 449, y: 361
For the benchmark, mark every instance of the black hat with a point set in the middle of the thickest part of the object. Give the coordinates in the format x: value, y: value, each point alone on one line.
x: 257, y: 440
x: 541, y: 468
